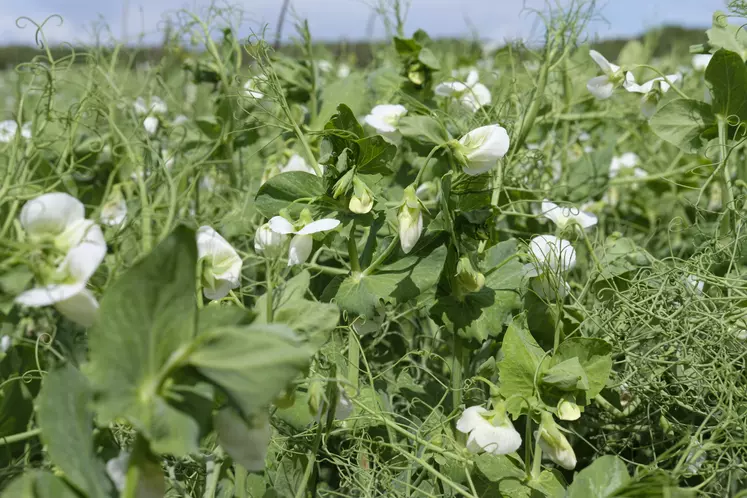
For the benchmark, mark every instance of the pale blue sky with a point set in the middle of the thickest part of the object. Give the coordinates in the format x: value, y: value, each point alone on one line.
x: 335, y: 19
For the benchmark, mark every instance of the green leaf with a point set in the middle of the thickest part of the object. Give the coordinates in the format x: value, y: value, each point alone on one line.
x: 568, y: 375
x: 39, y: 484
x: 423, y: 129
x: 684, y: 123
x: 63, y: 413
x: 312, y: 320
x: 280, y: 192
x: 374, y: 155
x: 601, y: 479
x: 245, y: 442
x: 549, y: 484
x: 727, y: 75
x: 427, y: 57
x: 146, y: 323
x: 209, y: 126
x: 594, y: 355
x: 251, y: 364
x: 520, y: 365
x: 499, y: 467
x: 620, y: 255
x: 345, y: 120
x: 402, y: 280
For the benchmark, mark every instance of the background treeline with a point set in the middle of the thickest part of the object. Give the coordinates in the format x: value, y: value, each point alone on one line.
x: 668, y: 40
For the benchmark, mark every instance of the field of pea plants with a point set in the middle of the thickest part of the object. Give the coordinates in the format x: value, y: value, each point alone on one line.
x: 452, y: 271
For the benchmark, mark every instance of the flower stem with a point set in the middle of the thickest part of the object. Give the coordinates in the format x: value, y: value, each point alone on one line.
x: 354, y: 358
x: 382, y: 257
x: 134, y: 468
x: 727, y: 198
x: 456, y: 373
x: 355, y: 265
x: 270, y: 290
x: 425, y: 164
x: 21, y: 436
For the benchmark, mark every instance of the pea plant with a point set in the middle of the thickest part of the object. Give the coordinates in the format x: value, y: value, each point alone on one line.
x: 450, y: 271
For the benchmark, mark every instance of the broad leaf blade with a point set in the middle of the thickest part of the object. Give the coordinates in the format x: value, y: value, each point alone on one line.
x: 281, y: 191
x: 147, y: 319
x: 684, y: 123
x: 63, y: 413
x: 251, y: 364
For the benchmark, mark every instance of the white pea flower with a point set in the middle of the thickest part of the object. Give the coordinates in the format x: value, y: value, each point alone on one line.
x: 362, y: 200
x: 65, y: 287
x: 302, y: 241
x: 471, y: 93
x: 410, y: 220
x: 9, y: 129
x: 601, y: 87
x: 626, y: 162
x: 496, y: 436
x: 154, y: 106
x: 324, y: 65
x: 562, y: 216
x: 695, y: 284
x: 480, y: 149
x: 221, y: 270
x: 343, y: 71
x: 385, y: 118
x: 254, y: 87
x: 297, y: 163
x: 549, y: 287
x: 151, y: 125
x: 554, y: 443
x: 5, y: 343
x: 653, y: 91
x: 179, y: 120
x: 114, y: 212
x: 550, y: 252
x: 268, y: 242
x: 700, y: 61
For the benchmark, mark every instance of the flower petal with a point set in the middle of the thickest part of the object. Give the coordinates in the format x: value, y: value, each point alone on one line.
x: 51, y: 214
x: 280, y: 225
x: 49, y: 294
x: 471, y: 418
x: 300, y: 249
x: 484, y: 144
x: 600, y: 87
x: 322, y: 225
x: 82, y: 308
x: 603, y: 63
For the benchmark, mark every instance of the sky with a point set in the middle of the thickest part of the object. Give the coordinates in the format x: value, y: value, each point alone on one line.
x: 342, y: 19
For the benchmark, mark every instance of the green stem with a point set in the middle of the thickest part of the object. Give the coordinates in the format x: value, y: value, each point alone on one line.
x: 456, y: 373
x: 354, y: 358
x: 239, y: 481
x: 212, y: 469
x: 21, y: 436
x: 382, y: 257
x: 270, y: 290
x: 137, y: 459
x: 355, y: 265
x: 425, y: 164
x: 727, y: 199
x: 537, y: 462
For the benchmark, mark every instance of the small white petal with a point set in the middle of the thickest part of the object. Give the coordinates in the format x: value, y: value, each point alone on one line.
x: 151, y: 125
x: 82, y: 308
x: 268, y: 242
x: 471, y: 417
x: 280, y: 225
x: 300, y: 249
x: 600, y: 87
x: 484, y: 145
x: 557, y: 254
x: 221, y: 260
x: 606, y: 66
x: 51, y: 214
x: 322, y: 225
x: 700, y: 61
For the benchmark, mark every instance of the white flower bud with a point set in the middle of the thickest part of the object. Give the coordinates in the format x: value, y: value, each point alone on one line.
x: 410, y: 220
x: 268, y: 242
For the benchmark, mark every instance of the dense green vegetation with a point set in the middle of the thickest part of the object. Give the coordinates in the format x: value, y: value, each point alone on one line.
x: 411, y: 269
